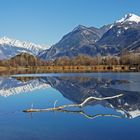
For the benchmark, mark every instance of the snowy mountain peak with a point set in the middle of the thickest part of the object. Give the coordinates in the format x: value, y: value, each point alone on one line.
x: 17, y: 43
x: 11, y: 47
x: 129, y: 18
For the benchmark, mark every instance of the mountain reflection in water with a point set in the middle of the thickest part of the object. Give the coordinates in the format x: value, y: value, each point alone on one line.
x: 77, y: 89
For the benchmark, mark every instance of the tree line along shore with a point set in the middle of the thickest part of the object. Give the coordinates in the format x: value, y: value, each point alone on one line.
x: 81, y: 63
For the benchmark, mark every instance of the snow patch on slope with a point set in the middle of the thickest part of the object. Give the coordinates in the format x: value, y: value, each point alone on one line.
x: 129, y: 18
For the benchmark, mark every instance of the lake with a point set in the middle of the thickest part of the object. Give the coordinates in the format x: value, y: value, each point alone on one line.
x: 113, y: 119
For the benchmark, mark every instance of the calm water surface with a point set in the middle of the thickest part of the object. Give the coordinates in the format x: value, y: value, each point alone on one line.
x: 115, y: 119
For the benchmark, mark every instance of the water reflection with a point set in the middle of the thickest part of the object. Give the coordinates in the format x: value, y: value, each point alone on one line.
x: 77, y: 89
x: 10, y: 86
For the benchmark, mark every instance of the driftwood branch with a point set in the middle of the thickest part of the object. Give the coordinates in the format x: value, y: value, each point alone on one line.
x: 72, y: 105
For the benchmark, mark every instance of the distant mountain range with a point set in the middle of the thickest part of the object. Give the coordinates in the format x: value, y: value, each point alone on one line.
x: 121, y: 36
x: 12, y: 47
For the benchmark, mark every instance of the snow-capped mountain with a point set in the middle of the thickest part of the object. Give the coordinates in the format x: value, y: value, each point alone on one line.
x: 123, y: 33
x: 12, y: 47
x: 110, y: 39
x: 12, y: 86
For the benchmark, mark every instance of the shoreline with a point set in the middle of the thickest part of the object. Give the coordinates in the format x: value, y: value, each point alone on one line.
x: 68, y: 69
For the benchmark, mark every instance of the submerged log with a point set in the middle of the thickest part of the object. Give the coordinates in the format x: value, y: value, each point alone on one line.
x: 89, y: 99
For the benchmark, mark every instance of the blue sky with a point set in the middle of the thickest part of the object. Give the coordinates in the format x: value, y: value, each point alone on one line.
x: 46, y: 21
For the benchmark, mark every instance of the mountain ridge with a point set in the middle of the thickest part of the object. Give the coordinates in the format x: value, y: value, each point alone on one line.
x: 109, y: 39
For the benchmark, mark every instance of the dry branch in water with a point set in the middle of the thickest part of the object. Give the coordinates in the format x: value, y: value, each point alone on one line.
x: 72, y: 105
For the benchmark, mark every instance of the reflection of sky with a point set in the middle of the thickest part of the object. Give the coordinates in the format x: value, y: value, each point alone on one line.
x: 57, y: 125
